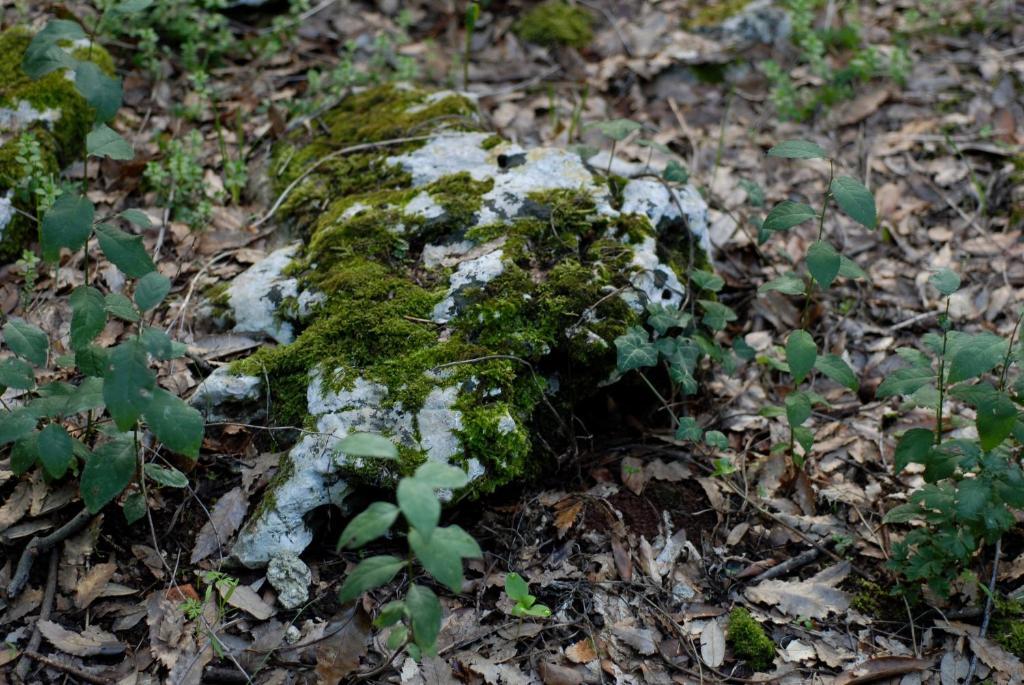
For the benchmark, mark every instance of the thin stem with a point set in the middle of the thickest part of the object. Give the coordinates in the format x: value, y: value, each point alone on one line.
x: 942, y: 373
x: 1009, y: 351
x: 661, y: 398
x: 828, y: 194
x: 611, y: 156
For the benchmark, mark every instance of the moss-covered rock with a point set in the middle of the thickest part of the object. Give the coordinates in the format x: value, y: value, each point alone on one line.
x: 748, y: 640
x: 47, y: 117
x: 456, y: 294
x: 556, y: 22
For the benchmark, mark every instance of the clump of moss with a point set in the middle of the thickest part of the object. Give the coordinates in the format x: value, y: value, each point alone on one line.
x: 749, y: 641
x: 1008, y: 626
x: 556, y: 22
x: 715, y: 13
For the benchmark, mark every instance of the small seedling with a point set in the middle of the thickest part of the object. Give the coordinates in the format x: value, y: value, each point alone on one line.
x: 526, y: 604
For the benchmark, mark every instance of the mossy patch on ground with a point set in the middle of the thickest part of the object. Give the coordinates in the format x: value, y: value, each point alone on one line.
x: 556, y: 22
x: 749, y: 641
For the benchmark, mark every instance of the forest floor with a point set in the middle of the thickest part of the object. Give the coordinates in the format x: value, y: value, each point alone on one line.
x: 639, y: 547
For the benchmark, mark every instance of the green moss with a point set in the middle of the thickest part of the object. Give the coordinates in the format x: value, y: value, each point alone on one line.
x: 749, y: 641
x: 556, y: 22
x: 61, y: 141
x: 492, y: 142
x: 714, y: 13
x: 1008, y: 626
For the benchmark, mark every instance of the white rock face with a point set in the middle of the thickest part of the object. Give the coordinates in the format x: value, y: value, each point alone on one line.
x: 6, y: 211
x: 256, y: 295
x: 14, y: 119
x: 473, y: 272
x: 223, y: 396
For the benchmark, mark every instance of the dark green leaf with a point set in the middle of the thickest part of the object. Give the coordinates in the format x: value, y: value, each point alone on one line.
x: 849, y: 268
x: 801, y: 353
x: 438, y: 475
x: 516, y: 588
x: 67, y: 223
x: 27, y: 341
x: 368, y: 445
x: 101, y: 91
x: 716, y: 314
x: 635, y: 350
x: 434, y: 554
x: 88, y: 315
x: 128, y: 383
x: 373, y: 522
x: 136, y: 217
x: 390, y: 614
x: 788, y: 284
x: 91, y: 360
x: 798, y: 149
x: 996, y: 418
x: 786, y: 215
x: 973, y: 496
x: 913, y: 448
x: 425, y: 614
x: 54, y: 445
x: 151, y: 290
x: 124, y: 250
x: 159, y: 344
x: 823, y: 262
x: 798, y: 408
x: 171, y: 477
x: 689, y: 429
x: 134, y: 507
x: 369, y: 574
x: 121, y: 307
x: 856, y: 200
x: 833, y: 366
x: 905, y: 381
x: 177, y: 425
x: 104, y: 141
x: 43, y: 54
x: 25, y: 454
x: 977, y: 354
x: 705, y: 280
x: 16, y: 373
x: 616, y: 129
x: 107, y: 472
x: 14, y: 425
x: 675, y: 172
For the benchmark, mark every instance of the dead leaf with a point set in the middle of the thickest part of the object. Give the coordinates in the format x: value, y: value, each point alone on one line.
x: 92, y: 585
x: 566, y: 516
x: 23, y: 604
x: 492, y: 673
x: 880, y: 668
x: 712, y: 644
x: 15, y: 506
x: 245, y: 598
x: 91, y: 642
x: 643, y: 640
x: 634, y: 476
x: 340, y: 653
x: 225, y: 518
x: 997, y: 658
x: 553, y: 674
x: 151, y: 558
x: 815, y: 597
x: 581, y: 652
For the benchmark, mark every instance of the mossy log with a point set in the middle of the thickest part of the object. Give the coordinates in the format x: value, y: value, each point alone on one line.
x: 48, y: 113
x: 451, y: 290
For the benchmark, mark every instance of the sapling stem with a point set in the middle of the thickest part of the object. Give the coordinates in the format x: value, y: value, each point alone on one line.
x: 942, y: 373
x: 1009, y: 351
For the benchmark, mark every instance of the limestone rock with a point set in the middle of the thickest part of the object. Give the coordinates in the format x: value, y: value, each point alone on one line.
x: 290, y: 576
x: 453, y: 291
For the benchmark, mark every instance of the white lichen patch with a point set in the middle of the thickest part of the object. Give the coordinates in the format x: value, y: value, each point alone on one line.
x: 657, y: 282
x: 652, y: 199
x: 438, y: 421
x: 6, y: 211
x: 24, y: 114
x: 223, y: 396
x: 423, y: 205
x: 472, y: 272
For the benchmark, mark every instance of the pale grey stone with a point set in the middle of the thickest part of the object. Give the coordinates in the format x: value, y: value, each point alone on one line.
x: 290, y: 577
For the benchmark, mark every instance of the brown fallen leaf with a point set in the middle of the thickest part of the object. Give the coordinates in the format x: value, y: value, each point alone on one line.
x: 882, y: 667
x: 566, y: 516
x: 554, y: 674
x: 634, y: 476
x: 997, y: 658
x: 245, y: 598
x: 91, y: 642
x: 15, y: 506
x: 92, y: 585
x: 643, y: 640
x: 712, y: 644
x: 151, y: 558
x: 225, y: 518
x: 581, y: 652
x: 339, y: 654
x: 23, y: 604
x: 815, y: 597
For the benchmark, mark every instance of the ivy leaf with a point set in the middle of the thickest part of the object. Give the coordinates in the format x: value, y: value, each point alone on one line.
x: 786, y: 215
x: 107, y: 472
x: 54, y: 445
x: 369, y: 525
x: 689, y: 429
x: 438, y: 475
x: 675, y: 172
x: 788, y: 284
x: 946, y: 281
x: 913, y: 448
x: 716, y: 314
x: 823, y: 262
x: 88, y: 316
x: 634, y: 350
x: 801, y: 353
x: 798, y: 149
x: 368, y: 445
x: 16, y: 373
x: 177, y: 425
x: 125, y: 251
x: 121, y: 307
x: 27, y: 341
x: 833, y: 366
x: 705, y: 280
x: 127, y: 383
x: 101, y: 91
x: 172, y: 478
x: 151, y: 289
x: 616, y: 129
x: 419, y: 505
x: 425, y: 614
x: 67, y: 223
x: 856, y: 200
x: 104, y: 141
x: 369, y: 574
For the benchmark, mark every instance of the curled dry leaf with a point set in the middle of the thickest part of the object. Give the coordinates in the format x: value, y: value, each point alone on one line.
x: 581, y: 652
x: 566, y: 513
x: 93, y: 583
x: 883, y: 667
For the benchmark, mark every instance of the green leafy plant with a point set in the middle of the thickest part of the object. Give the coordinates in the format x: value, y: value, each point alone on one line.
x: 177, y: 178
x: 91, y: 424
x: 971, y: 484
x: 415, y: 621
x: 823, y: 264
x: 518, y: 591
